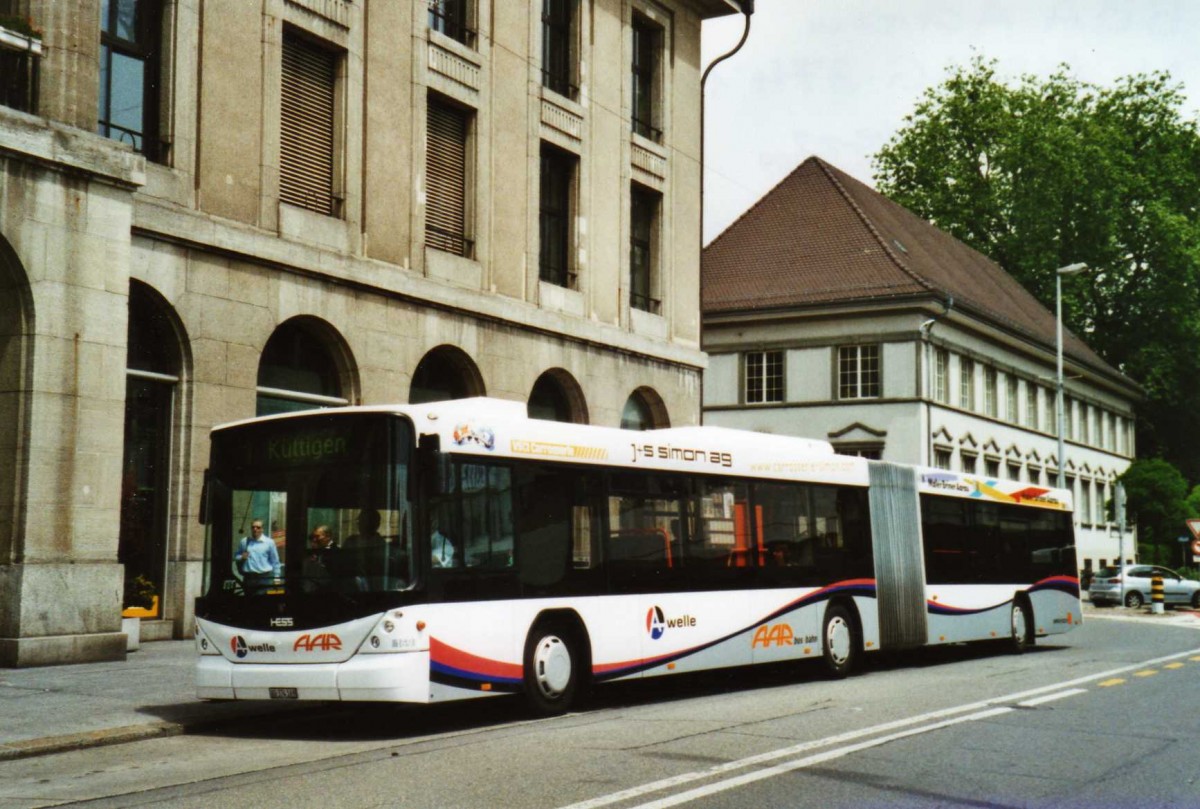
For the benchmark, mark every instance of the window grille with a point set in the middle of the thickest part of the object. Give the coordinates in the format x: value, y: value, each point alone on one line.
x: 130, y: 46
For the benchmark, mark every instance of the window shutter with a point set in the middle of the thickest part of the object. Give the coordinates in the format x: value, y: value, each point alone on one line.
x: 306, y: 126
x: 446, y: 179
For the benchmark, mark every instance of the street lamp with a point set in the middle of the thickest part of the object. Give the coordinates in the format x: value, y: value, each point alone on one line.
x: 1070, y: 269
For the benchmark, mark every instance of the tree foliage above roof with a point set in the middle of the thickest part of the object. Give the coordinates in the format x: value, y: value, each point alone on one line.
x: 1042, y: 173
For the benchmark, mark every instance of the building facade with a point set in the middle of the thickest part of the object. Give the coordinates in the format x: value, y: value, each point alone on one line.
x: 830, y: 312
x: 214, y: 210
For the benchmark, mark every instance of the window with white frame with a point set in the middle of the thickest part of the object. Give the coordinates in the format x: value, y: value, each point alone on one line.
x: 1085, y: 501
x: 991, y: 467
x: 1101, y: 500
x: 1011, y: 400
x: 941, y: 458
x: 763, y: 372
x: 990, y: 393
x: 1031, y: 404
x: 941, y: 376
x: 858, y: 372
x: 966, y: 383
x: 1014, y: 471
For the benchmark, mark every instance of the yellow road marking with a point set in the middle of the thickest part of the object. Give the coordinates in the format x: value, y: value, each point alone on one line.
x: 1173, y: 666
x: 1145, y: 673
x: 1194, y: 659
x: 1112, y: 682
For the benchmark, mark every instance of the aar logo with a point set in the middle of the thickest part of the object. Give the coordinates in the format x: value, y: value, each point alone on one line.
x: 324, y: 642
x: 656, y: 625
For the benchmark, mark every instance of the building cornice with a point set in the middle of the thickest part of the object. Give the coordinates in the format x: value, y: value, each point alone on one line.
x: 158, y: 221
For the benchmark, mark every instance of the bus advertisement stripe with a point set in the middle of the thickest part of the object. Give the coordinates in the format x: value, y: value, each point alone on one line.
x: 444, y: 657
x: 611, y: 671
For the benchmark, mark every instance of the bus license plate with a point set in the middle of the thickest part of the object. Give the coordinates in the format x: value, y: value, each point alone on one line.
x: 284, y: 693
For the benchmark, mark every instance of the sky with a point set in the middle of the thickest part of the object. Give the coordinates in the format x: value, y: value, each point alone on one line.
x: 835, y: 78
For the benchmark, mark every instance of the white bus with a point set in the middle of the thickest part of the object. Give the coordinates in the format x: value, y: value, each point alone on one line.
x: 475, y: 551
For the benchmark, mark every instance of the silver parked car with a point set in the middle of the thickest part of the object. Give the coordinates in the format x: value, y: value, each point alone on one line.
x: 1132, y: 588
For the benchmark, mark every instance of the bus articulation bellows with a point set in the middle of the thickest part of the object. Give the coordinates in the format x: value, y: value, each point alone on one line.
x: 460, y: 549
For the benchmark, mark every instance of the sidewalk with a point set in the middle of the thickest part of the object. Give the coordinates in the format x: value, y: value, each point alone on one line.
x: 151, y: 693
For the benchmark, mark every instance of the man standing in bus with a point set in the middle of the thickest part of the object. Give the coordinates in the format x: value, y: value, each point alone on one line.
x: 258, y: 560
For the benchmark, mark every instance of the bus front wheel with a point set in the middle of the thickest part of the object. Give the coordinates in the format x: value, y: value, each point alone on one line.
x: 839, y: 641
x: 551, y: 669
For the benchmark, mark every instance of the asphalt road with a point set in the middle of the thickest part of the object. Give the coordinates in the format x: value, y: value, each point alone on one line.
x: 1103, y: 716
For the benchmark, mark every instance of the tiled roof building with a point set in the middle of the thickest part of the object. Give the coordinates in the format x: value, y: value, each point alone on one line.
x: 832, y: 312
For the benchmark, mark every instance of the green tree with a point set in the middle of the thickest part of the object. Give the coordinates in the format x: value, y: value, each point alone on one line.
x: 1193, y: 503
x: 1156, y: 500
x: 1040, y: 173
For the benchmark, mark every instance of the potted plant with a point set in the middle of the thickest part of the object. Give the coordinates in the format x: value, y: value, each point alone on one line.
x: 141, y: 600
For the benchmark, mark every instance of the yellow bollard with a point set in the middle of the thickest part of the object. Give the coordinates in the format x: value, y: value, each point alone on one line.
x: 1156, y: 595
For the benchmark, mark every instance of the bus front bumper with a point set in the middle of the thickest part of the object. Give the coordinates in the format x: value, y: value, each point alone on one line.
x: 402, y: 677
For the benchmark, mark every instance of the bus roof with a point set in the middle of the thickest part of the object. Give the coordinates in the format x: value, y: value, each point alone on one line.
x: 502, y: 428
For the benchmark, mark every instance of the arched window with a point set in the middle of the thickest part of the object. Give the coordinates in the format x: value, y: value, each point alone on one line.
x: 556, y: 396
x: 298, y: 371
x: 154, y: 362
x: 445, y: 373
x: 16, y: 315
x: 644, y: 410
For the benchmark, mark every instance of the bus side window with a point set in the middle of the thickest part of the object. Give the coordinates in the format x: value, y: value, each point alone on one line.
x: 544, y: 522
x: 648, y: 521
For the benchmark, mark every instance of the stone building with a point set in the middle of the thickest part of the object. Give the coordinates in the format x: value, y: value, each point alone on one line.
x: 831, y: 312
x: 212, y: 210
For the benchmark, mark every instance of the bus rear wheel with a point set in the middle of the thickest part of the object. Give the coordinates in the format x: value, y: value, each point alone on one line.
x: 839, y: 641
x: 551, y: 669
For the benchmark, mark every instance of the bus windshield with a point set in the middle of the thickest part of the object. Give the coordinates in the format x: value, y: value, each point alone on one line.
x: 310, y: 506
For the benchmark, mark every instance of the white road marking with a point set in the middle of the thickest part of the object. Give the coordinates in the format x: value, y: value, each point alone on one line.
x: 982, y: 709
x: 1031, y: 703
x: 819, y: 758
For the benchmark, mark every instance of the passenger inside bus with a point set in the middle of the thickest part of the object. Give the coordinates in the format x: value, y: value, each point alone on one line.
x: 328, y: 567
x: 441, y: 547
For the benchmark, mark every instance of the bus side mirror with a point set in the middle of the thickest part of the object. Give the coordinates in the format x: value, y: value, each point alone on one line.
x: 203, y: 510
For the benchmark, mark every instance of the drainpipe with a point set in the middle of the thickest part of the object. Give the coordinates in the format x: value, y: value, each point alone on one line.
x: 747, y: 8
x: 926, y: 328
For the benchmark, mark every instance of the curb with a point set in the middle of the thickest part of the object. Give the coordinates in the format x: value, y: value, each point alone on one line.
x: 28, y: 748
x: 66, y: 743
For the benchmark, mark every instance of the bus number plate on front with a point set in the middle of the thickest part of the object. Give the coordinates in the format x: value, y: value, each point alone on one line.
x: 284, y: 693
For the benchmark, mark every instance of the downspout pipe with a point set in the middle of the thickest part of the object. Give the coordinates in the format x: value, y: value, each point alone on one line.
x: 926, y: 328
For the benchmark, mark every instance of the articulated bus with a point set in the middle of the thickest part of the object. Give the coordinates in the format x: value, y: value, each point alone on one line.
x: 459, y: 549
